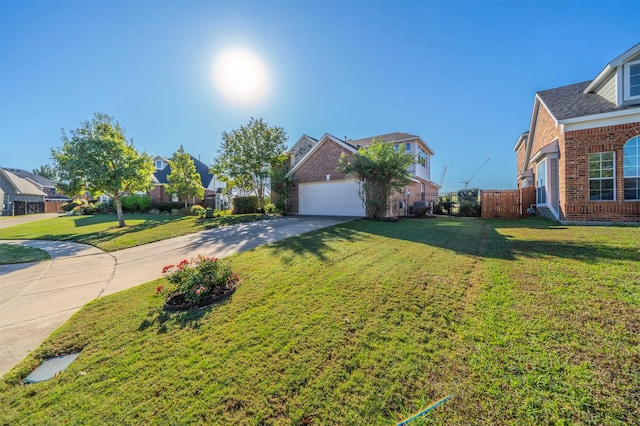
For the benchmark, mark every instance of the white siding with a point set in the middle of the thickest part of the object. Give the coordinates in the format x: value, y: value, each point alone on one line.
x: 608, y: 90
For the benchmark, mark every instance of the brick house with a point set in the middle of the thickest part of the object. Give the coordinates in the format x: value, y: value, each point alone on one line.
x: 582, y: 149
x: 321, y: 189
x: 214, y: 194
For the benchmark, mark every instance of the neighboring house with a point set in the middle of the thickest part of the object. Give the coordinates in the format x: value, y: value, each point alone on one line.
x: 46, y: 185
x: 19, y: 196
x: 322, y: 189
x: 214, y: 194
x: 582, y: 150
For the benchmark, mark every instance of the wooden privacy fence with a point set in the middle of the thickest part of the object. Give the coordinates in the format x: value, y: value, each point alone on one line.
x: 507, y: 203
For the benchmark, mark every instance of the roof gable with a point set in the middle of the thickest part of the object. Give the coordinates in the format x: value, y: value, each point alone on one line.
x: 161, y: 176
x: 20, y: 185
x: 39, y: 180
x: 326, y: 138
x: 612, y: 67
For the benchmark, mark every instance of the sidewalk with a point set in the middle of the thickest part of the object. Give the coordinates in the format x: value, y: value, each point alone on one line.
x: 36, y: 298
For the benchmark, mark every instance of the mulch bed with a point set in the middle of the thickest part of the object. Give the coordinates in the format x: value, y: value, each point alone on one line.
x: 176, y: 302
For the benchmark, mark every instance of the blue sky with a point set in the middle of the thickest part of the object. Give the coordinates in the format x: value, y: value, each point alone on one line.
x: 462, y: 75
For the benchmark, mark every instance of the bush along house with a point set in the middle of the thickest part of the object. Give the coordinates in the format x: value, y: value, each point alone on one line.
x: 582, y: 149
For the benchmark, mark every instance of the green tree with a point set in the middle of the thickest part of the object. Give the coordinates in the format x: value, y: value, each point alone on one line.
x: 382, y: 171
x: 96, y: 157
x: 247, y: 155
x: 46, y: 171
x: 281, y: 184
x: 184, y: 179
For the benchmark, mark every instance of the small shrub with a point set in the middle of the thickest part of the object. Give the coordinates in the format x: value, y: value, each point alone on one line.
x: 167, y: 207
x: 244, y: 205
x: 77, y: 211
x: 71, y: 205
x: 469, y: 208
x: 175, y: 212
x: 105, y: 207
x: 200, y: 277
x: 89, y: 209
x: 197, y: 210
x: 136, y: 203
x: 210, y: 213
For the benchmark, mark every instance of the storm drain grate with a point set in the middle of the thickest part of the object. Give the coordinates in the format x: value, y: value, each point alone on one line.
x: 50, y: 368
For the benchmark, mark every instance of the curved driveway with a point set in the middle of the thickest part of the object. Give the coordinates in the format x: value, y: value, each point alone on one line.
x: 36, y: 298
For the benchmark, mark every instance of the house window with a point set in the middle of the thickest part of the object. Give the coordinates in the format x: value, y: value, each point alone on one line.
x: 541, y: 183
x: 632, y: 81
x: 408, y: 147
x: 422, y: 157
x: 395, y: 147
x: 174, y: 197
x: 632, y: 169
x: 158, y: 164
x: 601, y: 176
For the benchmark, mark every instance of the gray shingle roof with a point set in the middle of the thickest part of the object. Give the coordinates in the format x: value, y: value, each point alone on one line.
x: 571, y: 102
x: 389, y: 137
x: 201, y: 168
x: 24, y: 174
x: 21, y: 185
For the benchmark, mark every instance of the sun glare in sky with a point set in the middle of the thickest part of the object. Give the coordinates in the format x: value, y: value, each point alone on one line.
x: 241, y: 76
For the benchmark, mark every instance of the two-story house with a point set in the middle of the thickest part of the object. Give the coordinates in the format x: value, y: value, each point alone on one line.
x: 214, y: 190
x: 322, y: 189
x: 582, y: 149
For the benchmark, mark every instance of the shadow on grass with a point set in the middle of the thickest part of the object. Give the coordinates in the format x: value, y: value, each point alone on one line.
x: 479, y: 237
x: 317, y: 243
x: 186, y: 319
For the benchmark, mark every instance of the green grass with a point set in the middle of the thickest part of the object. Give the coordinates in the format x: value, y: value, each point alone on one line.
x: 102, y: 230
x: 522, y: 322
x: 15, y: 253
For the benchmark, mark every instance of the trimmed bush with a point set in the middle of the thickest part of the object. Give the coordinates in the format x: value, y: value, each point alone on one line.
x: 89, y: 209
x: 136, y: 203
x: 71, y: 205
x: 197, y: 210
x: 167, y: 207
x: 244, y: 205
x: 106, y: 207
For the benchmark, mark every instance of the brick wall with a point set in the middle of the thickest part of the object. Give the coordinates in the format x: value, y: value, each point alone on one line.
x: 574, y: 176
x: 546, y: 130
x: 324, y: 161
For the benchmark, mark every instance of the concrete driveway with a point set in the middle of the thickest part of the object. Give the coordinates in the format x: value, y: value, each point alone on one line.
x: 36, y: 298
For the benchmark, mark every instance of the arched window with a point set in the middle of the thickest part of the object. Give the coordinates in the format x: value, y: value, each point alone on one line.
x: 632, y: 169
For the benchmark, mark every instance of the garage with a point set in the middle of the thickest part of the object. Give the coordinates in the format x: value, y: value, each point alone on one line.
x: 331, y: 198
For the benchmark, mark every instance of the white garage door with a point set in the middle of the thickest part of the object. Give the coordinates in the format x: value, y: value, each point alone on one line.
x: 332, y: 198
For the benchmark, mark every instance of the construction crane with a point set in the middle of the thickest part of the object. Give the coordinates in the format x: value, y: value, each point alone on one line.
x: 444, y: 172
x: 466, y: 181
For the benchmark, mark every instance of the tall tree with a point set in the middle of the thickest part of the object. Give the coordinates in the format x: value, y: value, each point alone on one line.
x: 184, y: 178
x: 382, y: 170
x: 247, y: 155
x: 97, y: 157
x: 46, y: 171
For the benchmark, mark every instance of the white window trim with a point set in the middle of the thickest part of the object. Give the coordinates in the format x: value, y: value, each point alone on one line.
x: 633, y: 200
x: 627, y: 81
x: 612, y: 178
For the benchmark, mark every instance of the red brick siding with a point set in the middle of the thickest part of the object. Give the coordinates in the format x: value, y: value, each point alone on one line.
x: 574, y: 175
x: 324, y: 161
x: 546, y: 130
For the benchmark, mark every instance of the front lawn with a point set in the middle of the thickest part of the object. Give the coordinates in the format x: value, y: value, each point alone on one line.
x: 522, y: 322
x: 16, y: 253
x: 102, y: 230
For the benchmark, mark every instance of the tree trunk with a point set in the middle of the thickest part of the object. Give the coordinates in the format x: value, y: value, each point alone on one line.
x: 118, y: 203
x: 261, y: 198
